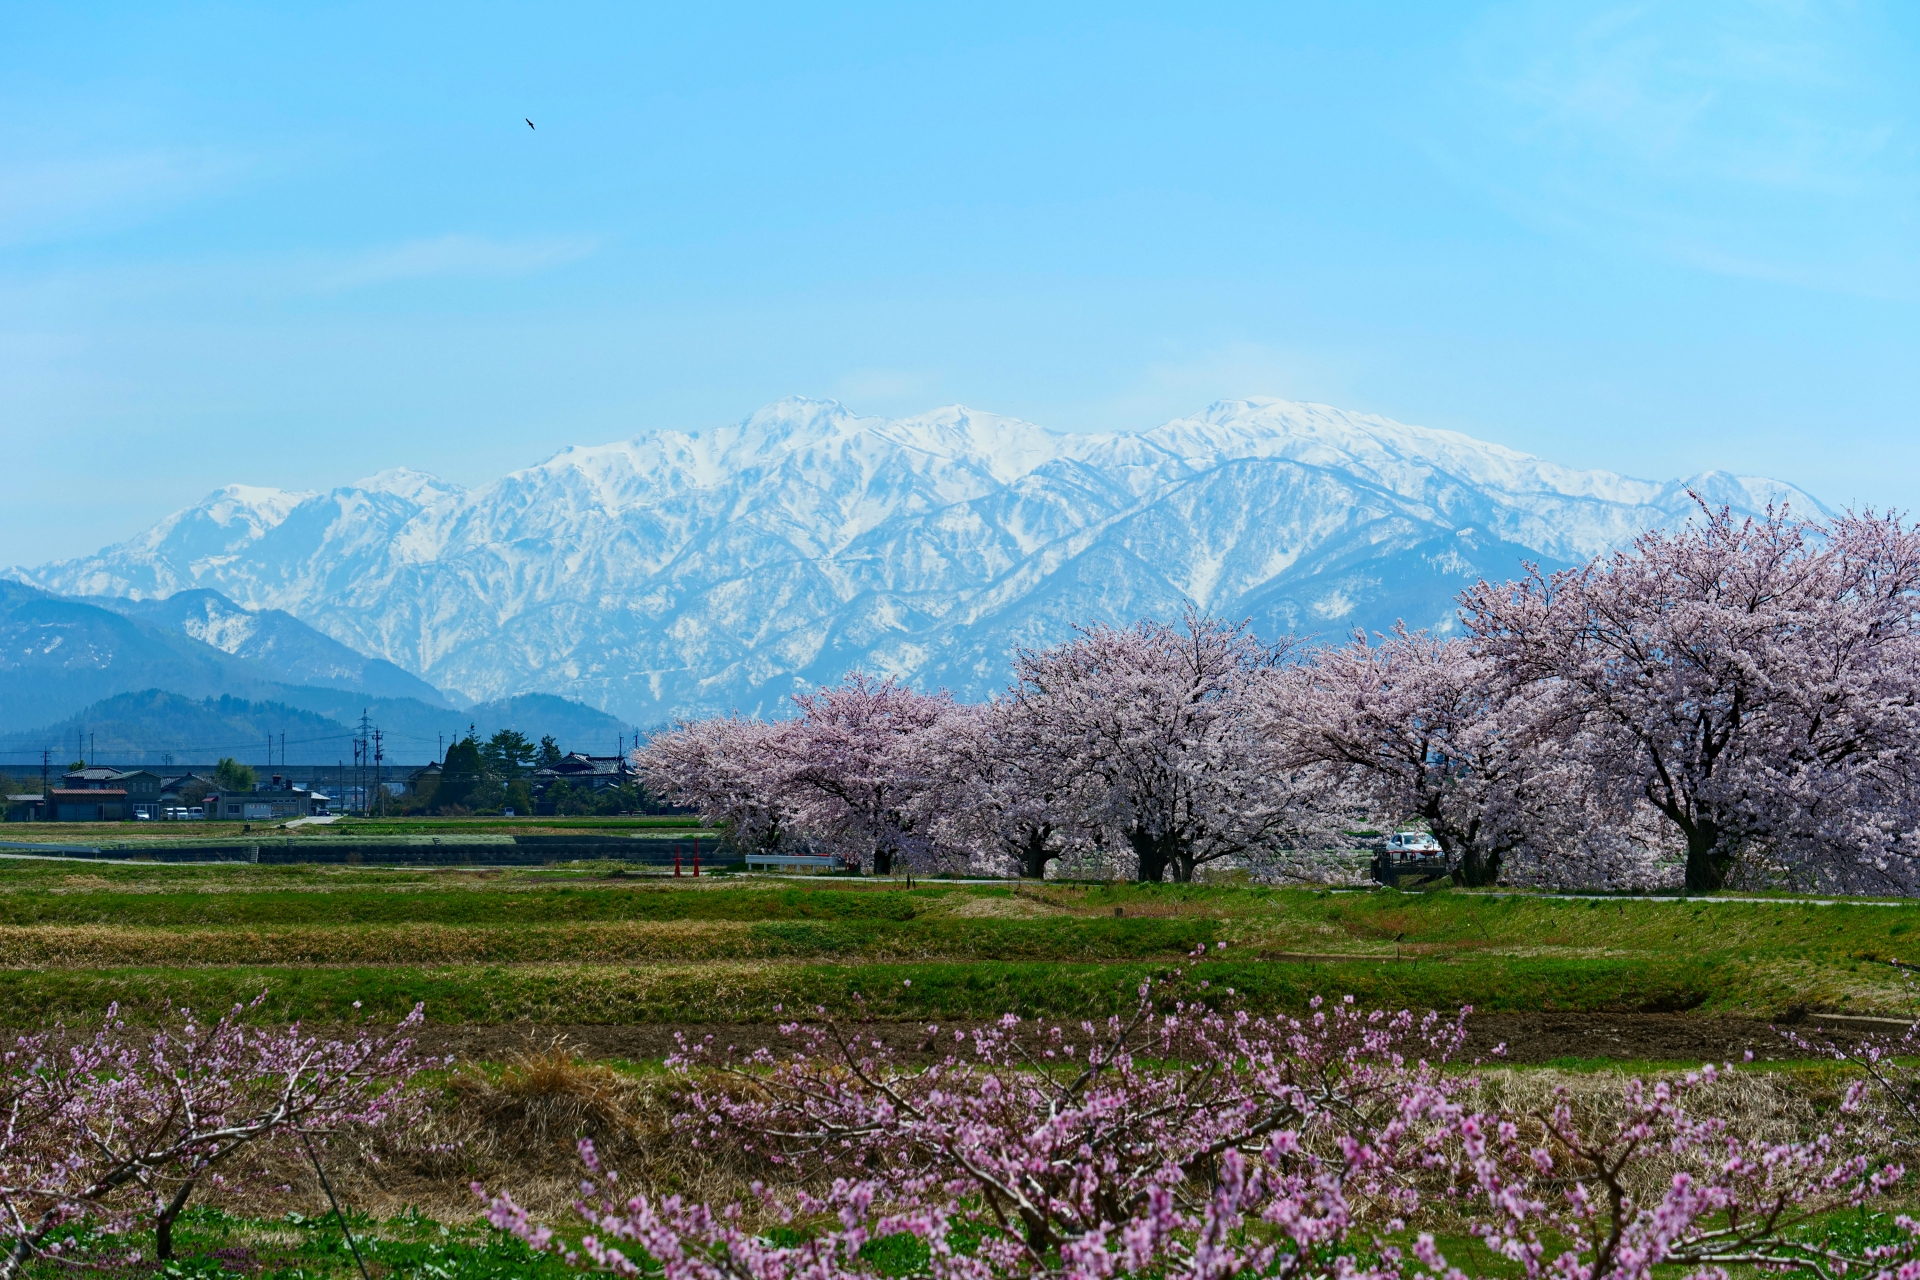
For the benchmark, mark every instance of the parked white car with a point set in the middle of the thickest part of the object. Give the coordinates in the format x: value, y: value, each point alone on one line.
x: 1412, y: 844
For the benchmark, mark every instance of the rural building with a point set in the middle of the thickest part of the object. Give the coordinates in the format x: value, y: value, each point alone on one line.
x: 143, y: 790
x: 98, y: 793
x: 93, y: 777
x: 94, y: 802
x: 174, y: 793
x: 276, y: 800
x: 90, y: 794
x: 577, y: 769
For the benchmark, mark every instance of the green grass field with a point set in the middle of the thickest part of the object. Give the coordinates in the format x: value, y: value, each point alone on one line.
x: 593, y: 944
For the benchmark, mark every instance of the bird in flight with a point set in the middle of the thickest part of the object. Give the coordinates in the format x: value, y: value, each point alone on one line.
x: 529, y: 124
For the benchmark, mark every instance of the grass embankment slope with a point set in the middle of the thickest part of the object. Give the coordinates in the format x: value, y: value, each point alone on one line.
x: 592, y: 945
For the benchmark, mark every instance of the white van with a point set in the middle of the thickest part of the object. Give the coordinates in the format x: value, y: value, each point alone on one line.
x: 1412, y: 844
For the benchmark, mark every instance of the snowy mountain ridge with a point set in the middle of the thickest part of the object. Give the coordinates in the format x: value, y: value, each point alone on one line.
x: 688, y: 571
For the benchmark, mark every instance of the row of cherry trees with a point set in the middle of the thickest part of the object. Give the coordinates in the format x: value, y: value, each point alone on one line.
x: 1140, y: 742
x: 1737, y: 697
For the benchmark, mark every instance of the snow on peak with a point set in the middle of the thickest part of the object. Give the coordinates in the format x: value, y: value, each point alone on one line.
x: 1007, y: 448
x: 801, y: 416
x: 1395, y: 453
x: 242, y: 511
x: 419, y: 487
x: 1746, y: 493
x: 695, y: 570
x: 253, y: 501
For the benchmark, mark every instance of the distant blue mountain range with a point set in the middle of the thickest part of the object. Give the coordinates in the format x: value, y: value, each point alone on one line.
x: 196, y: 677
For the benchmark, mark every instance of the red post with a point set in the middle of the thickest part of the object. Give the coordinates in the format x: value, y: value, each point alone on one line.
x: 696, y: 855
x: 676, y: 858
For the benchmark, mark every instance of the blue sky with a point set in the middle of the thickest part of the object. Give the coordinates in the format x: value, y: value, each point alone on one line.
x: 292, y: 245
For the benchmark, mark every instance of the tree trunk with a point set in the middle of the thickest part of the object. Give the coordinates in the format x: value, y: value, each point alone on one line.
x: 883, y: 862
x: 1034, y: 856
x: 1707, y: 865
x: 1182, y: 868
x: 1154, y: 854
x: 1473, y: 868
x: 163, y: 1221
x: 1477, y: 870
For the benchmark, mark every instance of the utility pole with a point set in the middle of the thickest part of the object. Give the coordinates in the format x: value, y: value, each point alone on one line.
x: 46, y: 762
x: 361, y: 749
x: 379, y: 757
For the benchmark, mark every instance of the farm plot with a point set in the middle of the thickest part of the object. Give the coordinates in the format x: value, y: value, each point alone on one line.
x: 558, y: 990
x: 598, y: 946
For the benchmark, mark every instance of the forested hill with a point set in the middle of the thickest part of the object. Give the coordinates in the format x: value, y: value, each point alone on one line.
x: 145, y: 726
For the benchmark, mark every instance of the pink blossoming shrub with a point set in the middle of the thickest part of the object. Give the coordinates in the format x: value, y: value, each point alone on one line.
x: 122, y: 1126
x: 1191, y: 1142
x: 1552, y: 1177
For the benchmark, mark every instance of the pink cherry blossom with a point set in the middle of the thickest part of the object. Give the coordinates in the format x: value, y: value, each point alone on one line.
x: 1756, y: 681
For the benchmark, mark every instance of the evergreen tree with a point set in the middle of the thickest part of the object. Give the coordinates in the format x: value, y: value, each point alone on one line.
x: 509, y: 754
x: 461, y: 774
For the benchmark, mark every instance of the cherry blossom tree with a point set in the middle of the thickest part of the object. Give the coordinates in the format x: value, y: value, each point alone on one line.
x: 1754, y: 680
x: 857, y: 766
x: 1158, y: 727
x: 124, y: 1127
x: 731, y: 771
x: 1426, y: 728
x: 1598, y: 839
x: 1003, y: 794
x: 854, y: 771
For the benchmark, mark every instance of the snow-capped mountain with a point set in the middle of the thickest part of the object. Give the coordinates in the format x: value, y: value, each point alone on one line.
x: 293, y: 651
x: 685, y: 572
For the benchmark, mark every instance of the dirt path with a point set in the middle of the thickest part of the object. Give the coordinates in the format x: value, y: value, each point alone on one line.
x: 1529, y: 1037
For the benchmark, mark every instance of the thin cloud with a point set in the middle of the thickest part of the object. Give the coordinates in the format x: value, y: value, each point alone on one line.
x: 73, y: 292
x: 47, y: 200
x: 1762, y: 141
x: 452, y: 255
